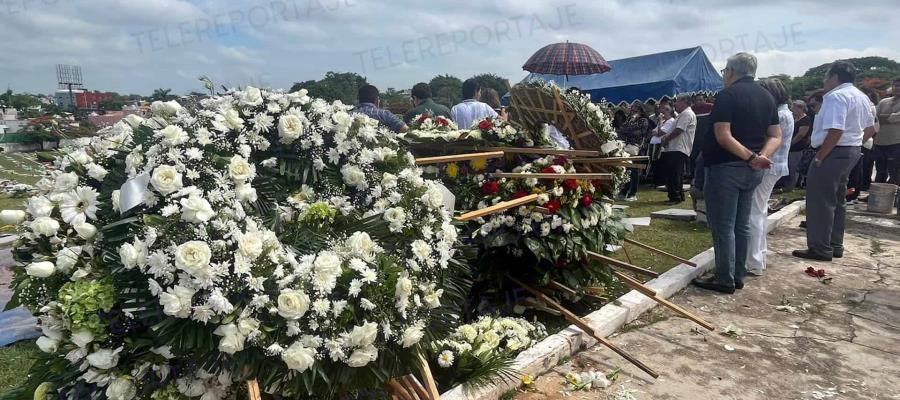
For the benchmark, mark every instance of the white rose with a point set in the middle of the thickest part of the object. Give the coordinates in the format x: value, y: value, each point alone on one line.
x: 115, y: 196
x: 133, y: 255
x: 292, y: 304
x: 165, y: 109
x: 196, y: 209
x: 166, y: 179
x: 364, y: 335
x: 354, y: 177
x: 12, y: 217
x: 245, y: 193
x: 248, y: 326
x: 298, y: 358
x: 403, y: 288
x: 82, y: 338
x: 362, y: 245
x: 39, y: 206
x: 433, y: 299
x: 79, y: 157
x: 232, y: 341
x: 289, y: 128
x: 233, y: 119
x: 250, y: 245
x: 193, y: 257
x: 45, y: 226
x: 252, y: 96
x: 362, y: 357
x: 67, y: 258
x: 104, y: 358
x: 85, y: 230
x: 239, y: 169
x: 97, y: 172
x: 396, y: 217
x: 121, y: 389
x: 47, y: 345
x: 411, y: 336
x: 177, y: 301
x: 65, y: 182
x: 174, y: 135
x: 133, y: 120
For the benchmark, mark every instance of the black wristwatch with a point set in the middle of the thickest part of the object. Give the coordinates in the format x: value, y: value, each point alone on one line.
x: 752, y: 157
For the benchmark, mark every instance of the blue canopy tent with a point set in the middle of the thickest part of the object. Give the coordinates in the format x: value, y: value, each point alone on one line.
x: 642, y: 78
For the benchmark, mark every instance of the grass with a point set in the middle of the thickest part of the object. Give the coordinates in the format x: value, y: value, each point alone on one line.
x: 21, y: 167
x: 15, y: 361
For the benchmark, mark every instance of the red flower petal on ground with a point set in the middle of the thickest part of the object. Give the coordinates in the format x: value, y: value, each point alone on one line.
x: 586, y: 200
x: 553, y: 205
x: 570, y: 184
x: 490, y: 187
x: 520, y: 194
x: 485, y: 125
x: 820, y: 273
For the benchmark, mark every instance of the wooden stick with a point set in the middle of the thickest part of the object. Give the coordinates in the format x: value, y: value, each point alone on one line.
x: 458, y: 157
x: 541, y: 175
x: 628, y: 256
x: 253, y: 390
x: 655, y: 297
x: 542, y: 210
x: 399, y: 390
x: 430, y: 384
x: 413, y: 385
x: 549, y: 151
x: 622, y: 264
x: 577, y: 321
x: 605, y: 160
x: 501, y: 206
x: 658, y: 251
x: 626, y: 165
x: 563, y: 288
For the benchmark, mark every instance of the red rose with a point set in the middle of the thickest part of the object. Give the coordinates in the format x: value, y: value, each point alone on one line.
x: 586, y: 200
x: 560, y: 160
x: 520, y: 194
x: 553, y: 206
x: 485, y: 125
x: 443, y: 121
x: 548, y: 170
x: 490, y: 187
x: 423, y: 118
x: 570, y: 184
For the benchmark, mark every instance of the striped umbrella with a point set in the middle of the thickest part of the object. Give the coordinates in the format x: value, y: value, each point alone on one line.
x: 567, y: 59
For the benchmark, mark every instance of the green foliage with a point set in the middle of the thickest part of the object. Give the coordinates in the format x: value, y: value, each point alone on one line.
x: 341, y: 86
x: 493, y: 81
x: 162, y: 95
x: 446, y: 89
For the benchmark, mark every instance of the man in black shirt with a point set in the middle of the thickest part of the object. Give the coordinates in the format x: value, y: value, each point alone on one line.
x: 746, y: 133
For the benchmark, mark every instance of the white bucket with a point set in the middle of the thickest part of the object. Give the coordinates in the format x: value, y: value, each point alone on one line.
x: 881, y: 197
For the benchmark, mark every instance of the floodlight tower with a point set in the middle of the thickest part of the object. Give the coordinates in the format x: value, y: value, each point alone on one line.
x: 68, y: 77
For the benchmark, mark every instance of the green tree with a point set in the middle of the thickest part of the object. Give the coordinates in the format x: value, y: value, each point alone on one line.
x: 867, y: 68
x: 493, y: 81
x: 342, y: 86
x: 395, y: 100
x: 446, y: 89
x: 162, y: 95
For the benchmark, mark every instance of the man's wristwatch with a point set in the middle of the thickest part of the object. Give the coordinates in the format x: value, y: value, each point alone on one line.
x: 751, y: 158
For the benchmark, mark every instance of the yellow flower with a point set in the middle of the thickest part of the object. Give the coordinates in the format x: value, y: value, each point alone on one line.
x: 41, y: 392
x: 452, y: 170
x: 527, y: 380
x: 479, y: 164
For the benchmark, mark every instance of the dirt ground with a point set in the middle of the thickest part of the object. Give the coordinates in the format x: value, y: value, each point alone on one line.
x: 837, y: 339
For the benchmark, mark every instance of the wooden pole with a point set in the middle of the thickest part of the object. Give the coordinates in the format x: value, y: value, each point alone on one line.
x: 253, y: 392
x: 547, y: 151
x: 577, y: 321
x: 430, y: 383
x: 609, y: 160
x: 458, y: 157
x: 501, y: 206
x: 541, y: 175
x: 632, y: 283
x: 658, y: 251
x: 622, y: 264
x: 628, y: 256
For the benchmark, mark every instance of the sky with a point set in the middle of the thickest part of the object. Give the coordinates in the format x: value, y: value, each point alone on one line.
x: 135, y: 46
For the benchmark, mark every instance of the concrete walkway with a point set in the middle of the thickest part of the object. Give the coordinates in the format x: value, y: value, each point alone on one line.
x: 792, y: 336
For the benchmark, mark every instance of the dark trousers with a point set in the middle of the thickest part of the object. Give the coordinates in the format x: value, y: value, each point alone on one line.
x: 674, y: 163
x: 634, y: 181
x: 887, y: 163
x: 826, y: 209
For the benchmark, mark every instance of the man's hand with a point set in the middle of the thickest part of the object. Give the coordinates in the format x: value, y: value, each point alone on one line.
x: 761, y: 162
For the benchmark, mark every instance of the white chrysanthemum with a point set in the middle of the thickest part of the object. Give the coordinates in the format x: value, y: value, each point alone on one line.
x: 411, y: 336
x: 327, y: 268
x: 77, y: 206
x: 445, y: 359
x: 65, y: 182
x: 354, y: 177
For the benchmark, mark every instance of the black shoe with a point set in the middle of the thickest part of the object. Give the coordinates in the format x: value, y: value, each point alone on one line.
x: 739, y: 285
x: 713, y: 285
x: 803, y: 224
x: 837, y: 254
x: 809, y: 255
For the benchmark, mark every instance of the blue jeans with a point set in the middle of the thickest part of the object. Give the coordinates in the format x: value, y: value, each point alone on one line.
x: 631, y: 188
x: 728, y: 191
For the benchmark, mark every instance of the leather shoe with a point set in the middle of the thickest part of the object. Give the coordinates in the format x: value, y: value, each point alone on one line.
x: 809, y: 255
x: 713, y: 285
x: 837, y: 254
x: 803, y: 224
x: 738, y: 285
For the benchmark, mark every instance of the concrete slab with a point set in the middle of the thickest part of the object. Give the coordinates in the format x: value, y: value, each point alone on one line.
x: 639, y: 221
x: 678, y: 214
x: 620, y: 206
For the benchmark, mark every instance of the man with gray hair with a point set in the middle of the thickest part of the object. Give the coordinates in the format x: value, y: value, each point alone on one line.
x: 746, y: 133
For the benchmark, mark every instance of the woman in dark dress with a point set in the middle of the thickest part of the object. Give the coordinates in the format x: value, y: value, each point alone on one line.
x: 634, y: 133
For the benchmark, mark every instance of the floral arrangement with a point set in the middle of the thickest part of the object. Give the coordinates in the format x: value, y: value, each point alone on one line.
x: 266, y: 235
x: 425, y: 130
x: 488, y: 343
x: 429, y: 123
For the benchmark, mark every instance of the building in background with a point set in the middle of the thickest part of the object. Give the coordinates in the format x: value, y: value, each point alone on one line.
x: 9, y: 121
x: 109, y: 118
x: 84, y: 99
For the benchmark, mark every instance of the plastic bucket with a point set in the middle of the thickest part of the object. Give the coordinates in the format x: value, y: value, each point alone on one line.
x: 881, y: 197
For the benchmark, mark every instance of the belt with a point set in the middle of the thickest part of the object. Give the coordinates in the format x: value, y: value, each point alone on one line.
x: 837, y: 147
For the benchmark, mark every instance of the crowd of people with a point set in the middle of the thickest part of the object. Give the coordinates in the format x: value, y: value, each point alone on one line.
x: 739, y: 147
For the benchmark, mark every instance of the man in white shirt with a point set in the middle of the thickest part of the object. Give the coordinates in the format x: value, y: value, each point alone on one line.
x: 844, y: 122
x: 470, y: 110
x: 677, y: 147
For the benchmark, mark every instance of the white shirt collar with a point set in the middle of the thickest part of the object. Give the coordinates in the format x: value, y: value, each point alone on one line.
x: 841, y: 86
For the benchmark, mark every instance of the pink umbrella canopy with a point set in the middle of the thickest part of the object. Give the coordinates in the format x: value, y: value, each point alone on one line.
x: 567, y: 59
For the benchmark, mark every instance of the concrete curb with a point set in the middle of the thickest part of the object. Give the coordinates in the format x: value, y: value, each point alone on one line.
x: 545, y: 355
